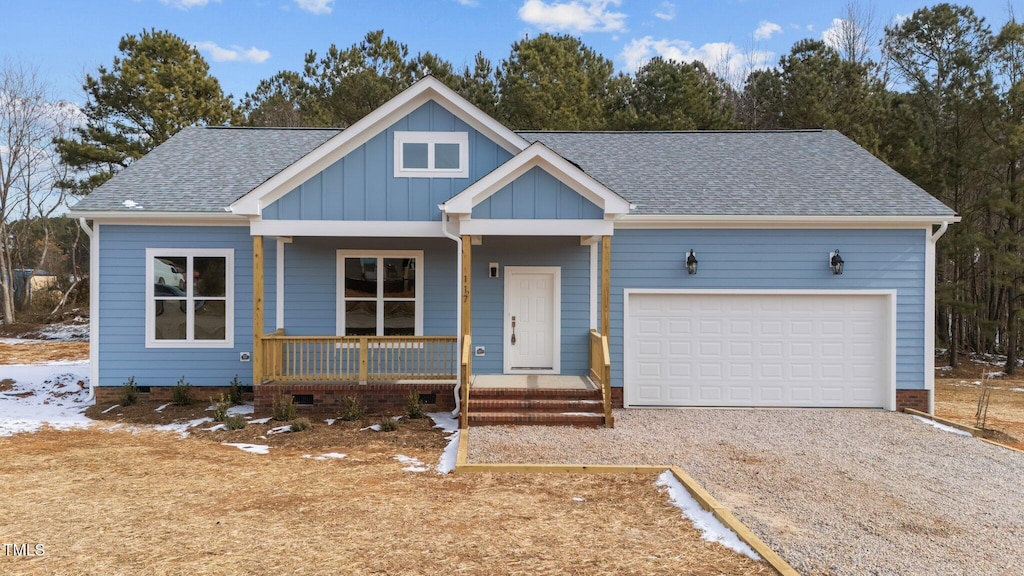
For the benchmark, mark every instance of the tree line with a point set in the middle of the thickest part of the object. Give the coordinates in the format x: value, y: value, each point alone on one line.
x: 943, y: 104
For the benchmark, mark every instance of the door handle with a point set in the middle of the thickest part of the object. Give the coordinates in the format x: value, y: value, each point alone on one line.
x: 513, y: 330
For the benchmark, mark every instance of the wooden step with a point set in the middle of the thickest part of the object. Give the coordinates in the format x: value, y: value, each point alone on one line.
x: 591, y: 419
x: 477, y: 404
x: 533, y: 394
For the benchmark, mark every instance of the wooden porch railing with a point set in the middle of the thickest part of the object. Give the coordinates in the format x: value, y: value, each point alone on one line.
x: 358, y: 358
x: 466, y: 374
x: 601, y: 372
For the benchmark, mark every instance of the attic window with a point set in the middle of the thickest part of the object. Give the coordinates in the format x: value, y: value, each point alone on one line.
x: 431, y: 155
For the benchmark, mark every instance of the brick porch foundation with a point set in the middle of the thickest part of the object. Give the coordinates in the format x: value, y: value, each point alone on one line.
x: 200, y: 394
x: 913, y: 399
x: 382, y: 398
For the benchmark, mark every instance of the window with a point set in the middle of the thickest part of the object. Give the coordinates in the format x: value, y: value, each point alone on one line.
x: 189, y: 298
x: 432, y: 154
x: 380, y: 293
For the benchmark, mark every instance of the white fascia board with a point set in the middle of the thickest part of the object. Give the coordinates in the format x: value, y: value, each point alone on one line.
x: 429, y: 88
x: 540, y: 156
x: 524, y: 227
x: 342, y: 228
x: 639, y: 221
x: 162, y: 218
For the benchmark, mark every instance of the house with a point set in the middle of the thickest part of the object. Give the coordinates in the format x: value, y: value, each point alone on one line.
x: 428, y: 246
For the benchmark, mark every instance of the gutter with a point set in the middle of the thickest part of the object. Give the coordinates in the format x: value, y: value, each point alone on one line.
x: 458, y: 306
x: 93, y: 311
x: 930, y: 297
x: 942, y: 230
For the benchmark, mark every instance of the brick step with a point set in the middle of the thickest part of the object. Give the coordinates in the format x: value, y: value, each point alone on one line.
x: 520, y: 405
x: 535, y: 419
x: 531, y: 394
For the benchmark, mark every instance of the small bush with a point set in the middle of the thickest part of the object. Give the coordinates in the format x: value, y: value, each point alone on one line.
x: 220, y: 408
x: 351, y: 409
x: 284, y: 407
x: 235, y: 391
x: 236, y: 422
x: 413, y: 408
x: 388, y: 424
x: 300, y: 424
x: 181, y: 394
x: 129, y: 392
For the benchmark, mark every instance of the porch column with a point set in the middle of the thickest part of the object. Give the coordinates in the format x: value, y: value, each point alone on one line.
x: 606, y: 283
x: 257, y: 310
x: 467, y: 285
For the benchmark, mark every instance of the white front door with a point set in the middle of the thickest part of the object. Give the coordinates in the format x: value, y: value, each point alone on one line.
x: 532, y: 325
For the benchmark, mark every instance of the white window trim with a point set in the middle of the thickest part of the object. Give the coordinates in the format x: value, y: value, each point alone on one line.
x: 417, y: 255
x: 229, y: 299
x: 430, y: 139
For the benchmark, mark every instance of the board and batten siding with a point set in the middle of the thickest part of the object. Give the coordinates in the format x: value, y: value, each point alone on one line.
x: 776, y: 260
x: 362, y: 185
x: 310, y: 291
x: 122, y: 307
x: 489, y: 296
x: 537, y: 195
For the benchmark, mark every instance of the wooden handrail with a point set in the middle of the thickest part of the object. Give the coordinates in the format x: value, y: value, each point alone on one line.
x: 601, y: 372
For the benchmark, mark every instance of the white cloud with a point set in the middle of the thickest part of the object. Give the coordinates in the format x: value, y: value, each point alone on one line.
x: 316, y: 6
x: 575, y: 16
x: 899, y: 19
x: 186, y: 4
x: 723, y: 58
x: 766, y: 30
x: 232, y: 54
x: 832, y: 35
x: 665, y: 11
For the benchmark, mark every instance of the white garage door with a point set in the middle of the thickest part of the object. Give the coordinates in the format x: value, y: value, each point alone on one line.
x: 758, y: 349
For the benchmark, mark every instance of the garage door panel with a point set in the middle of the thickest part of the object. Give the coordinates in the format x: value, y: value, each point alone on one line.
x: 753, y: 349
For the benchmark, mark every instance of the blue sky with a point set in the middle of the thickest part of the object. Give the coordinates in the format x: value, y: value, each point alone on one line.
x: 247, y: 40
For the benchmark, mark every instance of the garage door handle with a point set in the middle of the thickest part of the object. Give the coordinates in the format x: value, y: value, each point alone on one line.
x: 513, y: 330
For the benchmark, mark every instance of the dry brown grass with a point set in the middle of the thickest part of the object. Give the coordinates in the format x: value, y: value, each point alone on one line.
x: 37, y: 352
x: 957, y: 400
x: 115, y: 503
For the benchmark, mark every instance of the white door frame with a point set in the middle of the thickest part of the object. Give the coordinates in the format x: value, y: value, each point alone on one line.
x: 890, y: 330
x: 556, y: 339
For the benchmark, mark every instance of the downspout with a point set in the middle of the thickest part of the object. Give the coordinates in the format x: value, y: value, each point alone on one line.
x: 93, y: 312
x: 930, y: 319
x: 458, y: 305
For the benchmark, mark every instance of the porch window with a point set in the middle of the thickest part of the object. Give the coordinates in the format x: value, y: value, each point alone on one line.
x: 380, y: 293
x: 431, y: 154
x: 189, y: 298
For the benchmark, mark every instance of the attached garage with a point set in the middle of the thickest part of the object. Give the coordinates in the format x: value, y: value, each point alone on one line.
x: 759, y: 348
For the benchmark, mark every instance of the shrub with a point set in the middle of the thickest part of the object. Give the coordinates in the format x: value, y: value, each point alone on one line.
x: 181, y: 394
x: 413, y: 408
x: 351, y: 409
x: 284, y: 407
x: 129, y: 392
x: 388, y: 424
x: 235, y: 391
x: 236, y: 422
x: 300, y: 424
x: 220, y: 408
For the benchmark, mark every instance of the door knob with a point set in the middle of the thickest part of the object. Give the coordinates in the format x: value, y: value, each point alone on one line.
x: 513, y: 330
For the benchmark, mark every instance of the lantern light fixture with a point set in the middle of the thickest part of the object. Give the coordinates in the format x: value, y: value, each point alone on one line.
x: 691, y: 262
x: 835, y: 262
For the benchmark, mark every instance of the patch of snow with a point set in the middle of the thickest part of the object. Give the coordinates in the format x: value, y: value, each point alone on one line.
x: 53, y: 394
x: 944, y: 368
x: 161, y: 408
x: 334, y: 455
x: 259, y: 420
x: 280, y: 429
x: 413, y: 464
x: 449, y: 425
x: 331, y: 421
x: 994, y: 374
x: 181, y: 427
x: 217, y: 427
x: 251, y: 448
x: 578, y: 499
x: 942, y: 426
x: 64, y: 332
x: 580, y: 414
x: 711, y: 528
x: 241, y: 409
x: 1016, y: 389
x: 131, y: 204
x: 16, y: 341
x: 374, y: 427
x: 111, y: 408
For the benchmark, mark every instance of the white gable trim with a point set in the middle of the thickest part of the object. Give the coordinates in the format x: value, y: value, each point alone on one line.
x: 537, y: 156
x: 427, y: 89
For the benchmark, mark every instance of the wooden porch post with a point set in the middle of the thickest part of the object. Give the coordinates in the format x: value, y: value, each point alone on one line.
x: 467, y: 285
x: 606, y: 283
x: 257, y: 310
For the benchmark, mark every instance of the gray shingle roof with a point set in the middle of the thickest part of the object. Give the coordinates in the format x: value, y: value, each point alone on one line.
x: 204, y: 169
x: 793, y: 173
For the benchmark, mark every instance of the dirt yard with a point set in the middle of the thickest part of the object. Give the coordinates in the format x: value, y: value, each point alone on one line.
x: 38, y: 352
x: 113, y: 502
x: 957, y: 392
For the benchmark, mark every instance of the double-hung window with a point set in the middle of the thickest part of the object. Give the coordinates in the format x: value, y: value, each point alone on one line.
x: 431, y: 154
x: 189, y: 298
x: 380, y: 293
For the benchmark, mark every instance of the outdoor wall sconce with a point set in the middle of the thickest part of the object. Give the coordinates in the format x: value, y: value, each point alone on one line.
x: 691, y: 263
x: 835, y: 262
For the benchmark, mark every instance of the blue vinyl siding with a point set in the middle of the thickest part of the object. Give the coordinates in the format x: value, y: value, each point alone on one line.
x: 537, y: 195
x: 779, y: 259
x: 310, y: 292
x: 362, y: 186
x: 122, y: 343
x: 489, y: 296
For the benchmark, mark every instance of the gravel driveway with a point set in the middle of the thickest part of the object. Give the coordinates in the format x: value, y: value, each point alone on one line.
x: 832, y: 491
